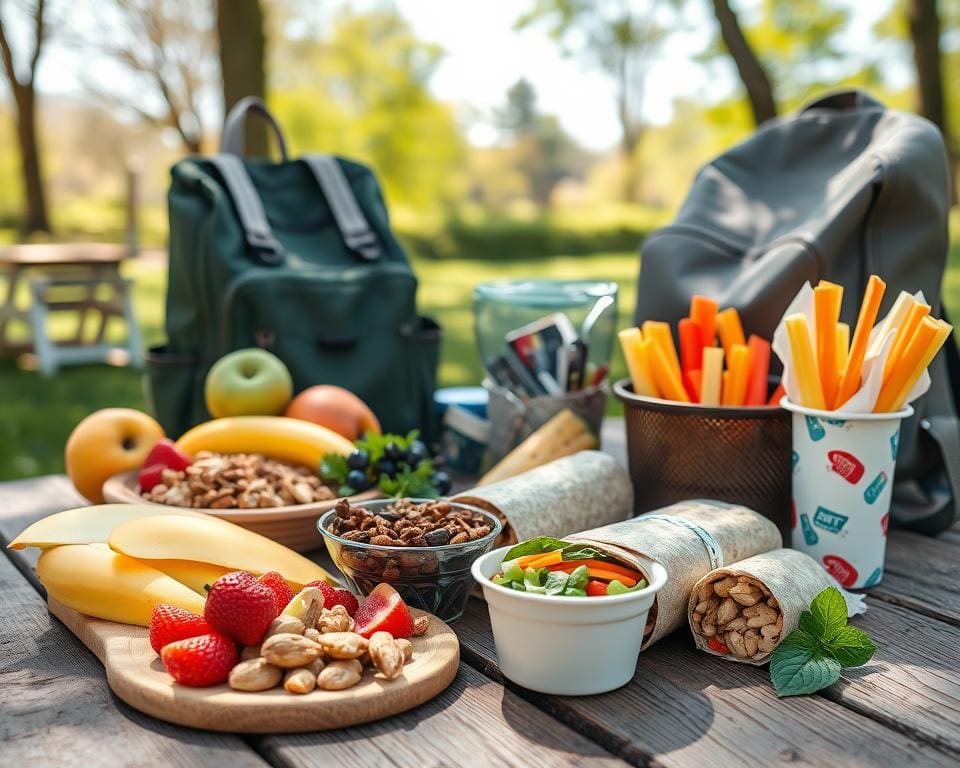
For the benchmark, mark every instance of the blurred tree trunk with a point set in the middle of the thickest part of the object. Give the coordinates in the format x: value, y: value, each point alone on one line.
x: 749, y: 67
x: 24, y: 97
x: 925, y: 34
x: 242, y: 54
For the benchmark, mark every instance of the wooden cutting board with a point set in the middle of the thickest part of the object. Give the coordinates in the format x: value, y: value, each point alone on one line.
x: 136, y: 675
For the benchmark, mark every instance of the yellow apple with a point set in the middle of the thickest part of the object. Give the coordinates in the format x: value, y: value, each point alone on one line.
x: 107, y: 442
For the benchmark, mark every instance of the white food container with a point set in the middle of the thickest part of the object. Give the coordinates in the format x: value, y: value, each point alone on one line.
x: 572, y: 646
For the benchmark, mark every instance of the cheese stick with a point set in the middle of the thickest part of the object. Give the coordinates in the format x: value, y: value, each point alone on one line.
x: 636, y: 353
x: 804, y: 362
x: 827, y: 298
x: 843, y: 345
x: 902, y: 371
x: 660, y: 333
x: 665, y: 375
x: 915, y: 313
x: 710, y: 387
x: 943, y: 333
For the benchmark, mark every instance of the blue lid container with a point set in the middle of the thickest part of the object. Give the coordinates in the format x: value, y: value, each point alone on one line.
x: 472, y: 399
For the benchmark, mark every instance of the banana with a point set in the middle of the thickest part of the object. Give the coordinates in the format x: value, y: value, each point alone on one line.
x: 278, y: 437
x: 92, y: 579
x: 206, y: 540
x: 88, y: 525
x: 196, y: 575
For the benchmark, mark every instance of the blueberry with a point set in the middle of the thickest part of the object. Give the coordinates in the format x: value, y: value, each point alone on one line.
x: 357, y: 479
x: 394, y: 452
x: 359, y: 459
x: 387, y: 467
x: 416, y: 453
x: 442, y: 482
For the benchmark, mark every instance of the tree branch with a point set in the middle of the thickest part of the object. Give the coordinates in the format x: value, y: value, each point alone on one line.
x: 39, y: 37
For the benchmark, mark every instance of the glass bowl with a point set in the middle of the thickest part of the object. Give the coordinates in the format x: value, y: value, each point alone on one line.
x: 434, y: 579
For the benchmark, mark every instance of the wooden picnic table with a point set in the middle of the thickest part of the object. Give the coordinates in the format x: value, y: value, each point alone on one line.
x: 683, y: 708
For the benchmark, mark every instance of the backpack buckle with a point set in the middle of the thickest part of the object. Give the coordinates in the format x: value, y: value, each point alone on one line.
x: 266, y: 248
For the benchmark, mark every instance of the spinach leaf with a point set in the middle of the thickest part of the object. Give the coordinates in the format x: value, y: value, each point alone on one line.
x: 535, y: 547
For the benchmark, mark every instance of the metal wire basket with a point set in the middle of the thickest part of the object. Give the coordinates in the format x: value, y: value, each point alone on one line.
x: 678, y: 451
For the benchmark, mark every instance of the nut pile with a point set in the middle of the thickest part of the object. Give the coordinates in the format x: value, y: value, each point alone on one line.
x: 407, y: 524
x: 238, y: 480
x: 318, y: 649
x: 738, y: 615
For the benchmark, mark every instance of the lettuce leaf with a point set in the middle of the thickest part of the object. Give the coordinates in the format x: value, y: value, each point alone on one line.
x: 535, y: 546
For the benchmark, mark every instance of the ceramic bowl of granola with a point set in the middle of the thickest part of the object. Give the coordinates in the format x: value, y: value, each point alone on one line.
x: 423, y: 548
x: 275, y: 499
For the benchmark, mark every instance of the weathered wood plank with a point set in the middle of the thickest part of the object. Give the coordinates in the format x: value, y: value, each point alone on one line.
x: 684, y: 708
x: 474, y: 722
x: 56, y: 708
x: 922, y: 573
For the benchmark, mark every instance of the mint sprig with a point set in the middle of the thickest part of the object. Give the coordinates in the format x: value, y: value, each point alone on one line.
x: 811, y: 657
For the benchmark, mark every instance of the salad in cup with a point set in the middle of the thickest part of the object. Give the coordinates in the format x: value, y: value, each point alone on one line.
x: 548, y: 566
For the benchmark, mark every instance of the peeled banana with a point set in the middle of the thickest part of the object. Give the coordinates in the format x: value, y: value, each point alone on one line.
x: 277, y: 437
x: 205, y: 540
x: 92, y: 579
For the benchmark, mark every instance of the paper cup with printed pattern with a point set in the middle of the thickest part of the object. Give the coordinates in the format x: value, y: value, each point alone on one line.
x: 842, y: 483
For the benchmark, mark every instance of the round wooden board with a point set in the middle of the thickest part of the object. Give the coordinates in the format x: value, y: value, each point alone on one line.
x: 136, y: 675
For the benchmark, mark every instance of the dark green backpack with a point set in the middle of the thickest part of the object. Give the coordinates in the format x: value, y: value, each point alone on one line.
x: 296, y: 257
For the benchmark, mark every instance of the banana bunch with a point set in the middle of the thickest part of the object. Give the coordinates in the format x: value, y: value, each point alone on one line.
x: 277, y: 437
x: 117, y: 561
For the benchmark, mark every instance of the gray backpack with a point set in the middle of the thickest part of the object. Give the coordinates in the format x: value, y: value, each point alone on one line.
x: 843, y: 189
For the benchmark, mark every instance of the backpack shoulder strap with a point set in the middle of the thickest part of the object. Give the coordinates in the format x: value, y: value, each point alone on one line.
x: 256, y: 229
x: 357, y: 234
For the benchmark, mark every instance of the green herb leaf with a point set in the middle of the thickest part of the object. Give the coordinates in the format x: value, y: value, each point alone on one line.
x: 827, y: 615
x: 579, y: 552
x: 416, y: 483
x: 797, y: 669
x: 334, y: 467
x: 346, y: 490
x: 535, y: 546
x: 852, y: 647
x: 573, y: 592
x: 579, y: 578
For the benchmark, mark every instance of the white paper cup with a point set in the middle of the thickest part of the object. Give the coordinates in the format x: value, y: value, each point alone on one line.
x: 842, y: 482
x: 572, y: 646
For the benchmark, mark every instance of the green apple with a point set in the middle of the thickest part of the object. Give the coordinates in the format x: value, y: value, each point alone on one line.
x: 248, y: 382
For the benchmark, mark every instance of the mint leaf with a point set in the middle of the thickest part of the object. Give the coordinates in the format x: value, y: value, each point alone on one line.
x: 334, y: 467
x: 827, y: 615
x: 851, y: 647
x: 796, y: 669
x: 801, y: 639
x: 415, y: 483
x: 535, y: 546
x: 556, y: 582
x: 579, y: 552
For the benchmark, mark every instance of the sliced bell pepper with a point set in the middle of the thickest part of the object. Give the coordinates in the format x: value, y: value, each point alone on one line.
x: 596, y: 588
x: 601, y: 564
x: 542, y: 560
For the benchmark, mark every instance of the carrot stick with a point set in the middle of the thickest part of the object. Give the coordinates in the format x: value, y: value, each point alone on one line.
x: 843, y: 345
x: 943, y: 333
x: 759, y: 371
x: 712, y: 384
x: 692, y: 382
x: 636, y: 353
x: 915, y: 313
x: 703, y: 312
x: 804, y: 362
x: 691, y: 345
x: 730, y: 330
x: 660, y: 333
x: 540, y: 560
x: 902, y: 371
x: 850, y: 382
x: 665, y: 376
x: 724, y: 387
x: 827, y: 298
x: 735, y: 389
x: 777, y: 395
x: 613, y: 568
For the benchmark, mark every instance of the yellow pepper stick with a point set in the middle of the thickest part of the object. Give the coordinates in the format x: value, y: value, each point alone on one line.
x: 916, y: 312
x: 660, y: 333
x: 894, y: 319
x: 804, y: 362
x: 735, y: 391
x: 850, y: 381
x: 943, y: 333
x: 890, y: 390
x: 712, y: 376
x: 665, y: 376
x: 827, y: 298
x: 730, y: 330
x: 637, y: 357
x: 843, y: 345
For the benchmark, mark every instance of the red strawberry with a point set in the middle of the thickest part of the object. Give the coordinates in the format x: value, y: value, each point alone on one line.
x: 384, y: 611
x: 166, y: 452
x: 169, y: 624
x: 241, y: 607
x: 333, y: 596
x: 150, y: 476
x: 200, y: 661
x: 280, y: 588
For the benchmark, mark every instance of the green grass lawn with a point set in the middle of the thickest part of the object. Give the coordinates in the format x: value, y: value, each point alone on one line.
x: 37, y: 414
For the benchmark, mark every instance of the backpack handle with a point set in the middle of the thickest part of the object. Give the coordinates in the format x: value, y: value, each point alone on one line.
x: 234, y: 134
x: 839, y: 101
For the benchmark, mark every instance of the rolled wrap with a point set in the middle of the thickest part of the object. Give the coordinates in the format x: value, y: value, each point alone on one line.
x: 750, y: 606
x: 585, y: 489
x: 689, y: 539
